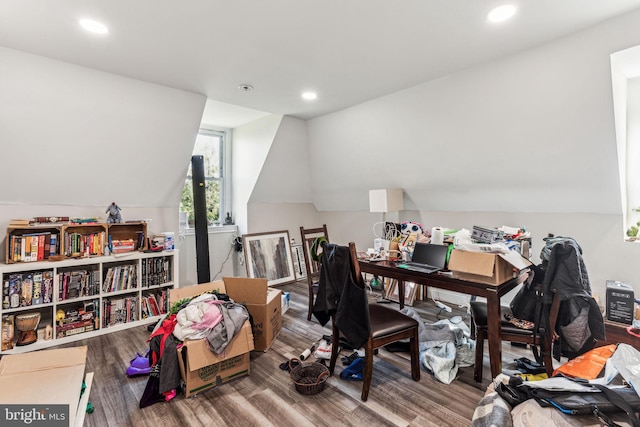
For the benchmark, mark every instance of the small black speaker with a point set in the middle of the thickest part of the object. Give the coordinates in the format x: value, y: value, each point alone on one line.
x: 200, y: 218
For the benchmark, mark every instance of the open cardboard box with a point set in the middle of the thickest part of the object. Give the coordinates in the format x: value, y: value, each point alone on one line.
x: 200, y: 368
x: 264, y: 304
x: 489, y: 268
x: 45, y: 385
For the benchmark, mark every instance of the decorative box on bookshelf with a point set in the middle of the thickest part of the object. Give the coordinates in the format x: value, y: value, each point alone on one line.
x: 32, y: 243
x: 84, y: 240
x: 128, y: 236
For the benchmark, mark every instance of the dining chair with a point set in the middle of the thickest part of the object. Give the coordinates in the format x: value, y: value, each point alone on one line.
x: 510, y: 332
x: 309, y: 235
x: 363, y: 324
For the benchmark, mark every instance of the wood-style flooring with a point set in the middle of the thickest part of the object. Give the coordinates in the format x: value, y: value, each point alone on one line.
x: 267, y: 397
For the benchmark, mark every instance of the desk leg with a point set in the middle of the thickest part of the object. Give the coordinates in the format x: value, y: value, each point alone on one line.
x: 401, y: 293
x: 494, y: 334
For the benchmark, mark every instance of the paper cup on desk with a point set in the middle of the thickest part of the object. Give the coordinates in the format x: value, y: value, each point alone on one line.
x: 437, y: 235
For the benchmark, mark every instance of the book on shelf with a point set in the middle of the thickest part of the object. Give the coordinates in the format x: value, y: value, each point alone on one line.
x: 32, y: 247
x: 26, y: 298
x: 144, y: 302
x: 153, y: 303
x: 47, y: 286
x: 37, y: 296
x: 40, y: 253
x: 16, y: 222
x: 49, y: 220
x: 53, y: 247
x: 120, y: 246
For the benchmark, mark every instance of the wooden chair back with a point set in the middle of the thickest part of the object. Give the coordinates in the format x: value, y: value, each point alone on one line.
x: 309, y: 235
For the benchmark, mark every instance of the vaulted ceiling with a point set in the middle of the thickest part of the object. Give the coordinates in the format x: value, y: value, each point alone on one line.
x: 346, y: 51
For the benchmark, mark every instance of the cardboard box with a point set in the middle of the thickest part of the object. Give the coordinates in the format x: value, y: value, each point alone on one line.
x: 45, y: 384
x: 489, y: 268
x: 264, y: 304
x: 200, y: 368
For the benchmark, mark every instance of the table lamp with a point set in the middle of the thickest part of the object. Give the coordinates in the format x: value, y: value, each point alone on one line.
x: 386, y: 200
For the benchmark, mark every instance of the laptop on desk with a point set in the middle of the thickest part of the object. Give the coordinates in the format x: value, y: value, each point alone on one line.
x: 427, y: 258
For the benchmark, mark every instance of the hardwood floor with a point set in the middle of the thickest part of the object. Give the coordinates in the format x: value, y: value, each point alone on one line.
x: 268, y: 398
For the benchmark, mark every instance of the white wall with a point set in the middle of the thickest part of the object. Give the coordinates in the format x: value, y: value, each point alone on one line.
x: 223, y: 260
x: 528, y: 140
x: 288, y: 182
x: 74, y: 139
x: 531, y: 133
x: 250, y: 147
x: 283, y: 216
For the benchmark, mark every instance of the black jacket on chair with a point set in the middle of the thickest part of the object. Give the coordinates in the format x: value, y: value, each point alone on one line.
x: 580, y: 321
x: 339, y: 294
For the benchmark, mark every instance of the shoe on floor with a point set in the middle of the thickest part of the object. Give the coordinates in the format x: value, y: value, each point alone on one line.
x: 139, y: 365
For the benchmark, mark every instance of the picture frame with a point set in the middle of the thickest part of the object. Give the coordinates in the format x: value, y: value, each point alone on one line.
x: 268, y: 255
x: 410, y: 289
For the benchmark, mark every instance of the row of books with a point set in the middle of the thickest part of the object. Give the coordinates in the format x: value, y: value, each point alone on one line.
x: 33, y: 246
x: 78, y: 283
x: 119, y: 310
x: 121, y: 246
x: 156, y: 271
x: 84, y: 244
x: 27, y: 289
x: 120, y: 277
x: 77, y: 321
x: 154, y: 304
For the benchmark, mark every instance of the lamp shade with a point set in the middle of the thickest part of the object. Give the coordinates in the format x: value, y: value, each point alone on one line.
x: 386, y: 200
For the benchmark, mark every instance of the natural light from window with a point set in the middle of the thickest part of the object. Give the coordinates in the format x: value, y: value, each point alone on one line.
x: 625, y: 74
x: 211, y: 145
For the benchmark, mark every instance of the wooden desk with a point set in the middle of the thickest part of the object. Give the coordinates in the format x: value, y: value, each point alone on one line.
x: 492, y: 293
x: 617, y: 333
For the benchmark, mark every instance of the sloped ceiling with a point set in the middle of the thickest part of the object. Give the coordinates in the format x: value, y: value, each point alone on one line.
x: 349, y: 52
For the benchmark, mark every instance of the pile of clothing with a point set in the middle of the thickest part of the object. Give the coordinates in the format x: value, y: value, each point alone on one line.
x: 445, y: 346
x: 589, y: 390
x: 210, y: 316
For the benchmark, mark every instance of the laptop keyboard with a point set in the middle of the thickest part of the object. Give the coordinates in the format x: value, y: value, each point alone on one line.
x: 416, y: 266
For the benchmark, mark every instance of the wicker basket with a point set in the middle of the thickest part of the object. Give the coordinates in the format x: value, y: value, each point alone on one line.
x: 310, y: 377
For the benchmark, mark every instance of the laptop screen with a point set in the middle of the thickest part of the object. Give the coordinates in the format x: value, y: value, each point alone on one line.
x: 427, y: 253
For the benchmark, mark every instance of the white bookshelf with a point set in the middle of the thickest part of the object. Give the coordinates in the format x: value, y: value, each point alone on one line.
x: 155, y: 272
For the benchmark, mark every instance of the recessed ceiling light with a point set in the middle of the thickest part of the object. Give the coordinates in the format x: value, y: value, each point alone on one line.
x: 309, y: 95
x: 501, y: 13
x: 94, y: 26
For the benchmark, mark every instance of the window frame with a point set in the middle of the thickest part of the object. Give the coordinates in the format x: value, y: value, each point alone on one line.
x: 225, y: 173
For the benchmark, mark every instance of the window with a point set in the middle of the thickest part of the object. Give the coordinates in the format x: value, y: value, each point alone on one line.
x: 211, y: 145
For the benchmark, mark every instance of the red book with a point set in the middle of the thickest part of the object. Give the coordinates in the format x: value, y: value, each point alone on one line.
x: 40, y: 247
x: 153, y: 304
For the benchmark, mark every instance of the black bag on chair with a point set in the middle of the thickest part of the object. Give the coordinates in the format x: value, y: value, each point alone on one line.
x: 527, y: 303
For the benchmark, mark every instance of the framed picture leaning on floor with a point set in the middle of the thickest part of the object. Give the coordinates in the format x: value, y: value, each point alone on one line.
x: 268, y: 256
x: 409, y: 292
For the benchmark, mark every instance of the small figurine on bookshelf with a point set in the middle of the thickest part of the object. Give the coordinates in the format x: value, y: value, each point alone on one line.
x: 114, y: 213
